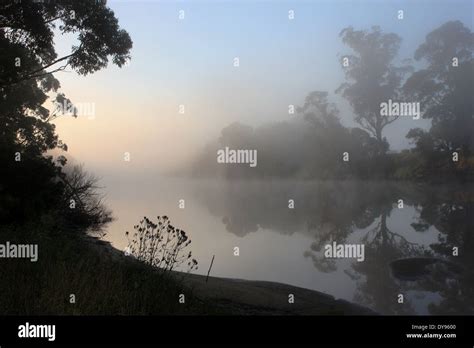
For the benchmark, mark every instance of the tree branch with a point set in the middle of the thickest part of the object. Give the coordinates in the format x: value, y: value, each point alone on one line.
x: 31, y: 74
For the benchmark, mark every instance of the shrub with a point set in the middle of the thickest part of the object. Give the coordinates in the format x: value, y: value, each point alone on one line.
x: 161, y: 245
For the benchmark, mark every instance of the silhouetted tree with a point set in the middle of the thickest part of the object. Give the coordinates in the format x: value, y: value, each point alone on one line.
x: 28, y: 61
x: 372, y: 77
x: 444, y: 89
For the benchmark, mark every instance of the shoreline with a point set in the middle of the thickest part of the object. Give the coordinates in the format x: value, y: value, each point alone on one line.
x: 251, y: 297
x: 258, y: 297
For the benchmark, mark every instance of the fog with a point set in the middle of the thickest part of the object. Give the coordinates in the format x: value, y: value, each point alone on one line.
x: 189, y: 62
x: 331, y: 166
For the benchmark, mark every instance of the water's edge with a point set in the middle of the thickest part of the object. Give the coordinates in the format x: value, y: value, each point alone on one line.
x: 251, y: 297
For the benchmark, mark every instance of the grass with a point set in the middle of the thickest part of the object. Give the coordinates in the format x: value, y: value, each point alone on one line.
x: 103, y: 285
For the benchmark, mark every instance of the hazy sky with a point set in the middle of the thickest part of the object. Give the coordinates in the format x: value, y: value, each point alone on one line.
x: 190, y: 62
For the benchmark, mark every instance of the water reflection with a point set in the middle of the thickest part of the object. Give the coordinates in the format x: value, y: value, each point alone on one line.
x: 430, y: 263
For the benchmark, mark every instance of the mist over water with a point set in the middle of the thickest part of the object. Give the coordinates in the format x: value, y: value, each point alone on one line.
x: 188, y: 66
x: 190, y: 62
x: 222, y: 160
x: 287, y: 245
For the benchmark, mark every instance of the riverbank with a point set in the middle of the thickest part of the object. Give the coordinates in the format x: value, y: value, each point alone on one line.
x: 82, y: 275
x: 250, y: 297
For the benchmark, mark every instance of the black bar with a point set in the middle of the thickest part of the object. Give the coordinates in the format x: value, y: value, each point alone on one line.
x: 242, y: 330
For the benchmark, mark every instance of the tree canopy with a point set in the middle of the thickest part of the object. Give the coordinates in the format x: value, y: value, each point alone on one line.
x: 372, y: 76
x: 28, y: 66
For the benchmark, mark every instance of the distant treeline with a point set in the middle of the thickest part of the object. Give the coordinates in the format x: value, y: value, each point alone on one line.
x: 315, y: 144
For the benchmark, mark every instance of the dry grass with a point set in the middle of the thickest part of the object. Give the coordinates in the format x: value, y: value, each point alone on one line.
x: 102, y: 285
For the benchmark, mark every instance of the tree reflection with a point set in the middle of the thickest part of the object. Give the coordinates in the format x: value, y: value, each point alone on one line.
x: 368, y: 213
x: 452, y: 213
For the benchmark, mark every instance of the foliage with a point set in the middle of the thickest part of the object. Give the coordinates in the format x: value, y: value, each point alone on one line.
x: 102, y: 282
x: 82, y: 203
x: 372, y: 77
x: 444, y: 88
x: 29, y: 60
x: 312, y: 144
x: 161, y: 245
x: 27, y: 66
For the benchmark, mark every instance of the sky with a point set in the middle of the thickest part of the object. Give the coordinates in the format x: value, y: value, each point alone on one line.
x: 189, y: 62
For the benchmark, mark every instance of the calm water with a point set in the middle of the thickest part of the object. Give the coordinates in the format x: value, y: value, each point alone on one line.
x: 285, y: 245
